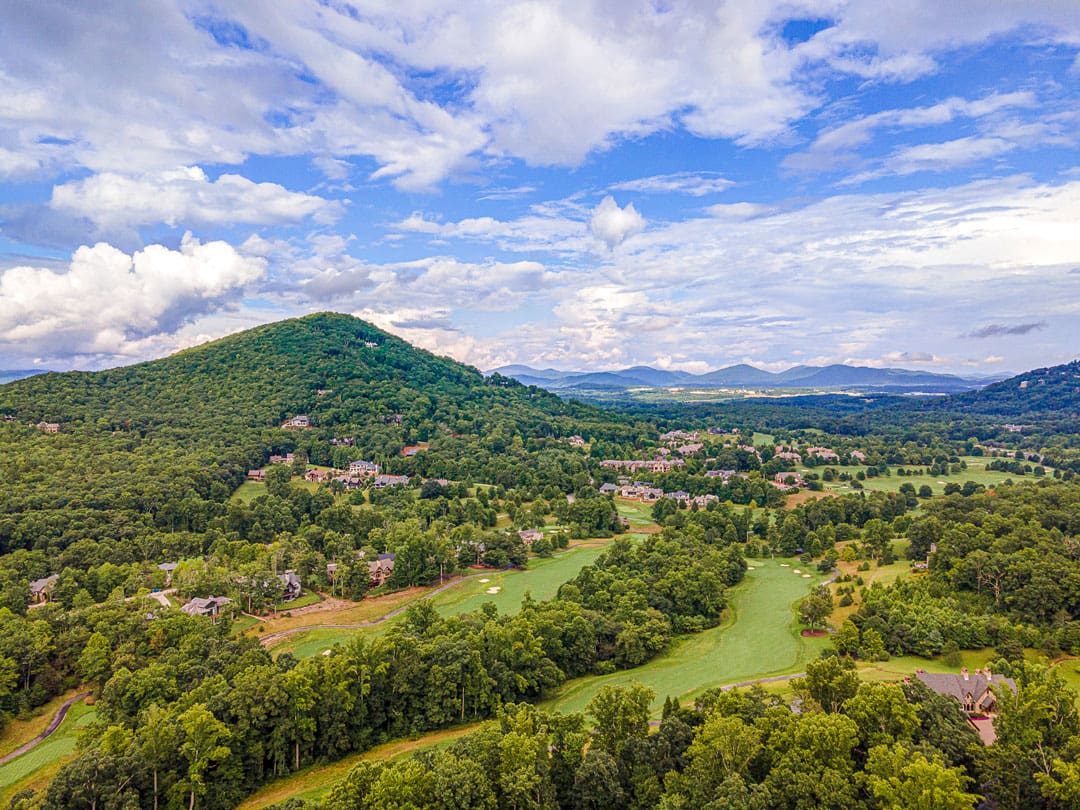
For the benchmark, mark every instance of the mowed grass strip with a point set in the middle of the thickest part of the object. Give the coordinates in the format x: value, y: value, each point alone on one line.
x: 541, y: 578
x: 15, y: 775
x: 19, y: 732
x: 315, y: 781
x: 759, y: 638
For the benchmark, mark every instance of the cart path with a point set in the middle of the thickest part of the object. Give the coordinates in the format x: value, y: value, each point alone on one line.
x: 54, y: 724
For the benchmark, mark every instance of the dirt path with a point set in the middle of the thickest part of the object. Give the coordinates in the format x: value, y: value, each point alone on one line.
x: 54, y: 724
x: 270, y: 638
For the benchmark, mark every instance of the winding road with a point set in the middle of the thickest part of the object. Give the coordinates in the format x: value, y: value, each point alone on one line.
x: 54, y: 724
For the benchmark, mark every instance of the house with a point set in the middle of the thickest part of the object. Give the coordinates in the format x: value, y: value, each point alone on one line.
x: 530, y: 536
x: 211, y: 606
x: 723, y: 475
x: 412, y: 449
x: 168, y: 568
x: 299, y: 421
x: 362, y: 467
x: 689, y: 449
x: 790, y: 455
x: 822, y: 453
x: 290, y: 586
x: 704, y: 500
x: 288, y: 458
x: 350, y: 481
x: 346, y: 441
x: 384, y: 481
x: 576, y: 441
x: 317, y: 476
x: 41, y: 590
x: 380, y: 569
x: 974, y: 692
x: 48, y: 427
x: 680, y: 495
x: 790, y: 478
x: 858, y: 455
x: 256, y: 475
x: 608, y: 489
x: 651, y: 494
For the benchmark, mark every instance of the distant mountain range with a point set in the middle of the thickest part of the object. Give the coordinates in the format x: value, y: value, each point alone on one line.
x: 11, y: 375
x: 838, y: 376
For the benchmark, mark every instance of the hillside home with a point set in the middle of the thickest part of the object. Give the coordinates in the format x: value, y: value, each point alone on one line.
x: 299, y: 421
x: 362, y: 467
x: 380, y: 569
x: 689, y: 449
x: 723, y: 475
x: 530, y: 536
x: 48, y: 427
x: 168, y: 568
x: 608, y: 489
x: 41, y: 590
x: 288, y: 458
x: 822, y: 453
x: 858, y: 455
x: 576, y: 441
x: 317, y: 476
x: 412, y: 449
x: 384, y: 481
x: 211, y: 606
x: 790, y: 455
x: 290, y: 586
x: 974, y: 692
x: 256, y: 475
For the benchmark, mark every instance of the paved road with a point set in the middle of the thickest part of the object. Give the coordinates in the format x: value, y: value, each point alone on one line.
x: 54, y: 724
x: 269, y: 638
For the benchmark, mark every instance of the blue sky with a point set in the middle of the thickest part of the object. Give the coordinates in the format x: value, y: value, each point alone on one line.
x: 570, y: 184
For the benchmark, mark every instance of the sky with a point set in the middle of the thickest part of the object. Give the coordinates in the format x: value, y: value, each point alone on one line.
x: 590, y: 184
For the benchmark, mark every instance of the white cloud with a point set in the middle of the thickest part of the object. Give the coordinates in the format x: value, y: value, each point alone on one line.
x: 107, y: 303
x: 185, y: 196
x: 612, y: 225
x: 696, y: 184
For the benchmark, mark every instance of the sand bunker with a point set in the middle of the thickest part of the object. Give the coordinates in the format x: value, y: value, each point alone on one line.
x: 494, y: 589
x: 485, y: 581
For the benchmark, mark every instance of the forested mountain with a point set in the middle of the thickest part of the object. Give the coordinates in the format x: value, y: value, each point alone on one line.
x: 161, y: 445
x: 1042, y: 391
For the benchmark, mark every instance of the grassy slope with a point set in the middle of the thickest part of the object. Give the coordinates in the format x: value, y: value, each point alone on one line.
x: 541, y: 578
x: 36, y: 767
x: 760, y: 639
x: 315, y: 781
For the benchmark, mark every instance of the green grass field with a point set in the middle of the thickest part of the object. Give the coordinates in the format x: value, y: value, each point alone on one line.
x: 315, y: 781
x: 56, y: 747
x: 541, y: 577
x: 976, y: 471
x: 760, y: 638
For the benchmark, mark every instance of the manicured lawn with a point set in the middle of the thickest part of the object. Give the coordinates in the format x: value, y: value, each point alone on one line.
x: 61, y: 744
x: 760, y: 638
x: 882, y: 574
x: 248, y: 491
x: 305, y: 599
x: 316, y: 781
x: 542, y: 578
x: 976, y: 471
x: 762, y: 439
x: 19, y: 732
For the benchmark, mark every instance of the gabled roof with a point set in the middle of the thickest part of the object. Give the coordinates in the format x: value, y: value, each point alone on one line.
x: 956, y: 685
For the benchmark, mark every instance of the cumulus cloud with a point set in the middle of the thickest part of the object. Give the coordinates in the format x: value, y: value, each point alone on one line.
x: 613, y: 225
x: 106, y: 302
x: 185, y: 196
x: 1003, y: 330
